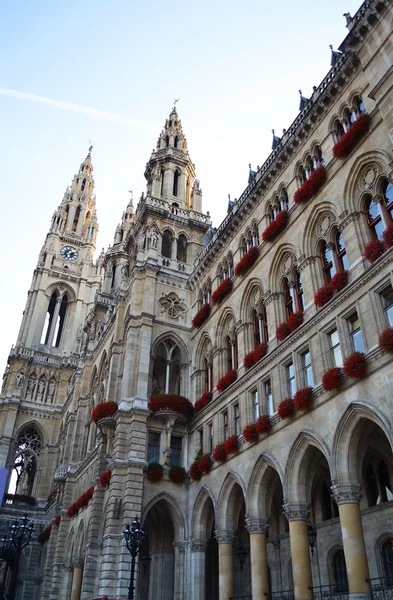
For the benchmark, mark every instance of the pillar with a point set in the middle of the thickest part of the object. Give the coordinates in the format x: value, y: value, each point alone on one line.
x: 347, y: 496
x: 257, y: 528
x: 198, y: 569
x: 297, y: 515
x: 225, y: 563
x: 180, y: 551
x: 77, y: 580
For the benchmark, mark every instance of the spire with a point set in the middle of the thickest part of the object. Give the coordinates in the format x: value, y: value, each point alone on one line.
x: 303, y: 101
x: 276, y: 140
x: 335, y: 56
x: 251, y: 174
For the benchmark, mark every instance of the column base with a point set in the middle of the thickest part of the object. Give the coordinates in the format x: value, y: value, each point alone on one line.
x: 360, y: 596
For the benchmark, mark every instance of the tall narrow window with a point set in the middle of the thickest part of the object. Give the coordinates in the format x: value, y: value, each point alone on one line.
x: 299, y: 292
x: 341, y: 253
x: 225, y: 424
x: 307, y: 369
x: 176, y: 183
x: 49, y: 318
x: 284, y: 200
x: 200, y: 432
x: 26, y: 462
x: 114, y: 266
x: 166, y: 247
x: 387, y: 193
x: 387, y: 302
x: 268, y: 397
x: 288, y: 299
x: 153, y: 449
x: 327, y: 262
x: 256, y: 328
x: 387, y: 560
x: 255, y: 404
x: 230, y: 365
x: 339, y: 572
x: 176, y: 446
x: 60, y: 321
x: 374, y: 219
x: 236, y: 416
x: 291, y: 380
x: 356, y: 333
x: 210, y: 436
x: 206, y: 375
x: 360, y: 108
x: 335, y: 348
x: 76, y: 218
x: 162, y: 182
x: 181, y: 251
x: 83, y: 185
x: 65, y: 217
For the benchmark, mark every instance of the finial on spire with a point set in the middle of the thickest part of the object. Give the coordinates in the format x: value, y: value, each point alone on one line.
x: 90, y: 147
x: 131, y: 201
x: 175, y: 101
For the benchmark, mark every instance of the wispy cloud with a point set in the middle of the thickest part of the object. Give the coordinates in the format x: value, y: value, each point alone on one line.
x: 80, y: 108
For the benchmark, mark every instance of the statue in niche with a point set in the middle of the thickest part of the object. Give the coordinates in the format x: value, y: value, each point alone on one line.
x: 5, y: 375
x: 153, y: 239
x: 41, y: 386
x: 51, y: 388
x: 31, y: 384
x: 100, y: 330
x: 20, y: 379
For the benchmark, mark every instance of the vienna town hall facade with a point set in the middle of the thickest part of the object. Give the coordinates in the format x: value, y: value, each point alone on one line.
x: 231, y: 388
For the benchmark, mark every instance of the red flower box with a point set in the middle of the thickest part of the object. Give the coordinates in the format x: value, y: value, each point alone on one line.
x: 385, y: 340
x: 219, y: 454
x: 282, y: 331
x: 72, y: 510
x: 302, y: 399
x: 332, y: 379
x: 250, y: 433
x: 154, y: 472
x: 249, y: 360
x: 339, y: 281
x: 276, y: 226
x: 173, y: 402
x: 177, y: 474
x: 263, y: 424
x: 260, y: 351
x: 227, y: 380
x: 203, y: 401
x: 194, y: 472
x: 373, y: 251
x: 202, y: 315
x: 222, y: 291
x: 103, y: 410
x: 323, y: 295
x: 286, y: 408
x: 57, y: 521
x: 355, y: 365
x: 387, y: 236
x: 295, y: 320
x: 52, y: 494
x: 204, y: 463
x: 231, y: 445
x: 351, y: 137
x: 311, y: 186
x: 246, y: 262
x: 45, y: 535
x: 105, y: 478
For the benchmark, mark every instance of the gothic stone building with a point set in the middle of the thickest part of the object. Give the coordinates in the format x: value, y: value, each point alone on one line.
x: 275, y: 301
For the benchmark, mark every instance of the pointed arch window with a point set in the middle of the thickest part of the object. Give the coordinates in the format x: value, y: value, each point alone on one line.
x: 339, y: 571
x: 327, y: 262
x: 338, y: 130
x: 270, y: 213
x: 288, y: 297
x: 341, y: 253
x: 302, y: 175
x: 299, y: 292
x: 374, y: 219
x: 387, y: 193
x: 76, y: 218
x: 255, y: 235
x: 181, y: 251
x: 166, y: 247
x: 229, y: 353
x: 378, y: 482
x: 83, y: 185
x: 387, y: 560
x: 114, y: 267
x: 166, y: 368
x: 176, y: 183
x: 284, y: 200
x: 162, y: 182
x: 176, y: 141
x: 360, y: 108
x: 167, y: 141
x: 25, y: 466
x: 256, y: 328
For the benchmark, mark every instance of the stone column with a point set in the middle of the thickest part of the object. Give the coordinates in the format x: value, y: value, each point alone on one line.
x: 180, y: 551
x: 257, y: 528
x: 77, y: 580
x: 198, y: 568
x: 67, y: 583
x: 225, y: 563
x: 347, y: 496
x: 297, y: 515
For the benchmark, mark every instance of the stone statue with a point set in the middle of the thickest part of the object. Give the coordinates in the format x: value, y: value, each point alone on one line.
x: 31, y: 385
x: 51, y: 388
x: 20, y: 379
x: 348, y: 17
x: 100, y: 328
x: 153, y: 239
x: 41, y: 386
x: 5, y: 375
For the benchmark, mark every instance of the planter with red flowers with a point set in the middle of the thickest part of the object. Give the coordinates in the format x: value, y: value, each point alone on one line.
x: 45, y: 535
x: 231, y: 445
x: 323, y: 295
x: 227, y: 380
x: 255, y: 355
x: 355, y: 365
x: 105, y: 478
x: 332, y: 379
x: 263, y: 424
x: 276, y: 226
x: 177, y: 474
x: 311, y: 186
x: 351, y: 137
x: 82, y: 502
x: 154, y: 472
x: 295, y: 320
x: 219, y: 453
x: 203, y: 401
x: 247, y: 261
x: 302, y: 399
x: 202, y: 315
x: 222, y: 291
x: 339, y: 281
x: 282, y: 331
x: 194, y: 471
x: 373, y: 251
x: 170, y: 403
x: 52, y: 495
x: 57, y: 521
x: 250, y: 433
x: 104, y: 410
x: 385, y: 340
x: 204, y: 463
x: 286, y: 408
x: 249, y: 360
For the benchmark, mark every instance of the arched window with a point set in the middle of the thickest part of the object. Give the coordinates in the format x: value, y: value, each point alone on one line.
x: 374, y: 219
x: 114, y: 267
x: 327, y: 262
x: 49, y: 318
x: 176, y: 141
x: 310, y: 164
x: 162, y: 182
x: 65, y: 218
x: 270, y: 213
x: 339, y: 571
x: 166, y: 247
x: 255, y: 235
x: 302, y: 175
x: 387, y: 194
x: 26, y: 462
x: 359, y: 105
x: 284, y: 200
x: 387, y: 560
x: 288, y: 298
x: 229, y: 353
x: 176, y: 183
x: 378, y: 484
x: 76, y: 218
x: 348, y: 118
x: 338, y: 130
x: 166, y: 368
x: 83, y: 185
x: 299, y: 299
x: 256, y: 328
x: 181, y: 251
x: 341, y: 253
x: 167, y: 141
x: 319, y: 156
x: 206, y: 375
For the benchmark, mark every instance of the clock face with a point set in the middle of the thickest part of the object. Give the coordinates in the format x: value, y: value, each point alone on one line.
x: 68, y: 253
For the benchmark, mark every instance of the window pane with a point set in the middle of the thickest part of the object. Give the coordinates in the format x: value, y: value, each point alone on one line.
x: 255, y: 404
x: 176, y: 445
x: 153, y: 450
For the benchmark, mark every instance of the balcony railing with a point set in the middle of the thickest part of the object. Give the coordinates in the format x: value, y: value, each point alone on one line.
x: 283, y: 595
x: 329, y: 592
x: 381, y: 588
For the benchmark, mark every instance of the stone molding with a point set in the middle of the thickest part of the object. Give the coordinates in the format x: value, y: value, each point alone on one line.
x: 296, y: 511
x: 198, y: 545
x: 78, y: 563
x: 346, y: 493
x: 224, y: 536
x: 256, y: 525
x: 180, y: 547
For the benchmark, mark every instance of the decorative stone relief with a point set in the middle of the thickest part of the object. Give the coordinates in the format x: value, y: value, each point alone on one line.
x: 20, y: 378
x: 223, y: 536
x: 256, y: 525
x: 323, y: 225
x: 368, y: 176
x: 198, y: 545
x: 296, y: 511
x: 346, y: 493
x: 287, y: 264
x: 173, y: 305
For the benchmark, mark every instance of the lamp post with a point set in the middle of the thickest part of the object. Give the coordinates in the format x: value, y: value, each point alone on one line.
x: 134, y: 538
x: 16, y: 539
x: 312, y: 541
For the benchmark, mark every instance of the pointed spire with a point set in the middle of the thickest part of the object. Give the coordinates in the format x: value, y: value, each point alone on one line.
x: 251, y: 174
x: 231, y: 204
x: 303, y: 101
x: 276, y: 140
x: 335, y: 56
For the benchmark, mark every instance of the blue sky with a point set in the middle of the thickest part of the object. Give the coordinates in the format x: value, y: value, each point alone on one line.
x: 236, y: 68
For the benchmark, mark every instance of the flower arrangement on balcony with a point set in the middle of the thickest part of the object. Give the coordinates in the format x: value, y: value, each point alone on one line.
x: 249, y: 360
x: 57, y: 521
x: 255, y: 355
x: 323, y: 295
x: 231, y: 445
x: 355, y: 365
x: 373, y: 251
x: 247, y: 261
x: 276, y: 227
x: 45, y: 535
x: 351, y: 137
x: 194, y: 471
x: 204, y: 463
x: 177, y: 474
x: 311, y: 186
x: 52, y: 494
x: 302, y: 399
x: 202, y: 315
x: 82, y: 501
x: 104, y: 410
x: 154, y: 472
x: 385, y: 340
x: 226, y: 380
x: 105, y: 478
x: 332, y: 379
x: 295, y: 320
x: 219, y: 453
x: 250, y: 433
x: 286, y: 408
x: 203, y: 401
x: 173, y: 402
x: 339, y: 281
x: 222, y: 291
x: 20, y: 499
x: 263, y: 424
x: 387, y: 236
x: 282, y: 331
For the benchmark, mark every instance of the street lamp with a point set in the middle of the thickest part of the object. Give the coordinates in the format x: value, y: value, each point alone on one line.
x: 16, y: 539
x: 134, y: 538
x: 312, y: 536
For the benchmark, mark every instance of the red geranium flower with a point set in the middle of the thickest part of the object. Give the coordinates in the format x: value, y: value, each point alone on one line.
x: 202, y: 315
x: 282, y: 331
x: 373, y: 251
x: 260, y: 351
x: 194, y: 472
x: 323, y: 295
x: 339, y: 281
x: 250, y: 433
x: 348, y: 141
x: 203, y: 401
x: 222, y: 291
x: 295, y: 320
x: 276, y: 226
x: 286, y: 408
x: 173, y: 402
x: 231, y: 445
x: 249, y: 360
x: 204, y: 463
x: 103, y: 410
x: 105, y: 478
x: 57, y: 520
x: 177, y: 474
x: 302, y: 399
x: 387, y: 236
x: 332, y: 379
x: 355, y: 365
x: 263, y: 424
x: 154, y: 472
x: 311, y: 186
x: 385, y: 340
x: 219, y: 453
x: 246, y: 262
x: 227, y: 380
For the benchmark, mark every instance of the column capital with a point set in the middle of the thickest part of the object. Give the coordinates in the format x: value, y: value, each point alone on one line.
x: 346, y: 493
x: 256, y: 525
x: 78, y: 563
x: 296, y: 511
x: 180, y: 547
x: 198, y: 545
x: 224, y: 536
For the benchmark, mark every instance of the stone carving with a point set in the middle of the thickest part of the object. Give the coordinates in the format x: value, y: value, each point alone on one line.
x: 198, y: 545
x: 223, y: 536
x: 346, y: 493
x: 153, y: 239
x: 51, y: 388
x: 368, y: 176
x: 323, y: 225
x: 157, y: 173
x: 287, y: 264
x: 256, y: 525
x: 31, y: 384
x: 20, y: 378
x: 173, y: 305
x: 296, y: 511
x: 41, y: 385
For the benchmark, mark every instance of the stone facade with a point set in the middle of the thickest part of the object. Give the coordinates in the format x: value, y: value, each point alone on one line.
x: 121, y: 329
